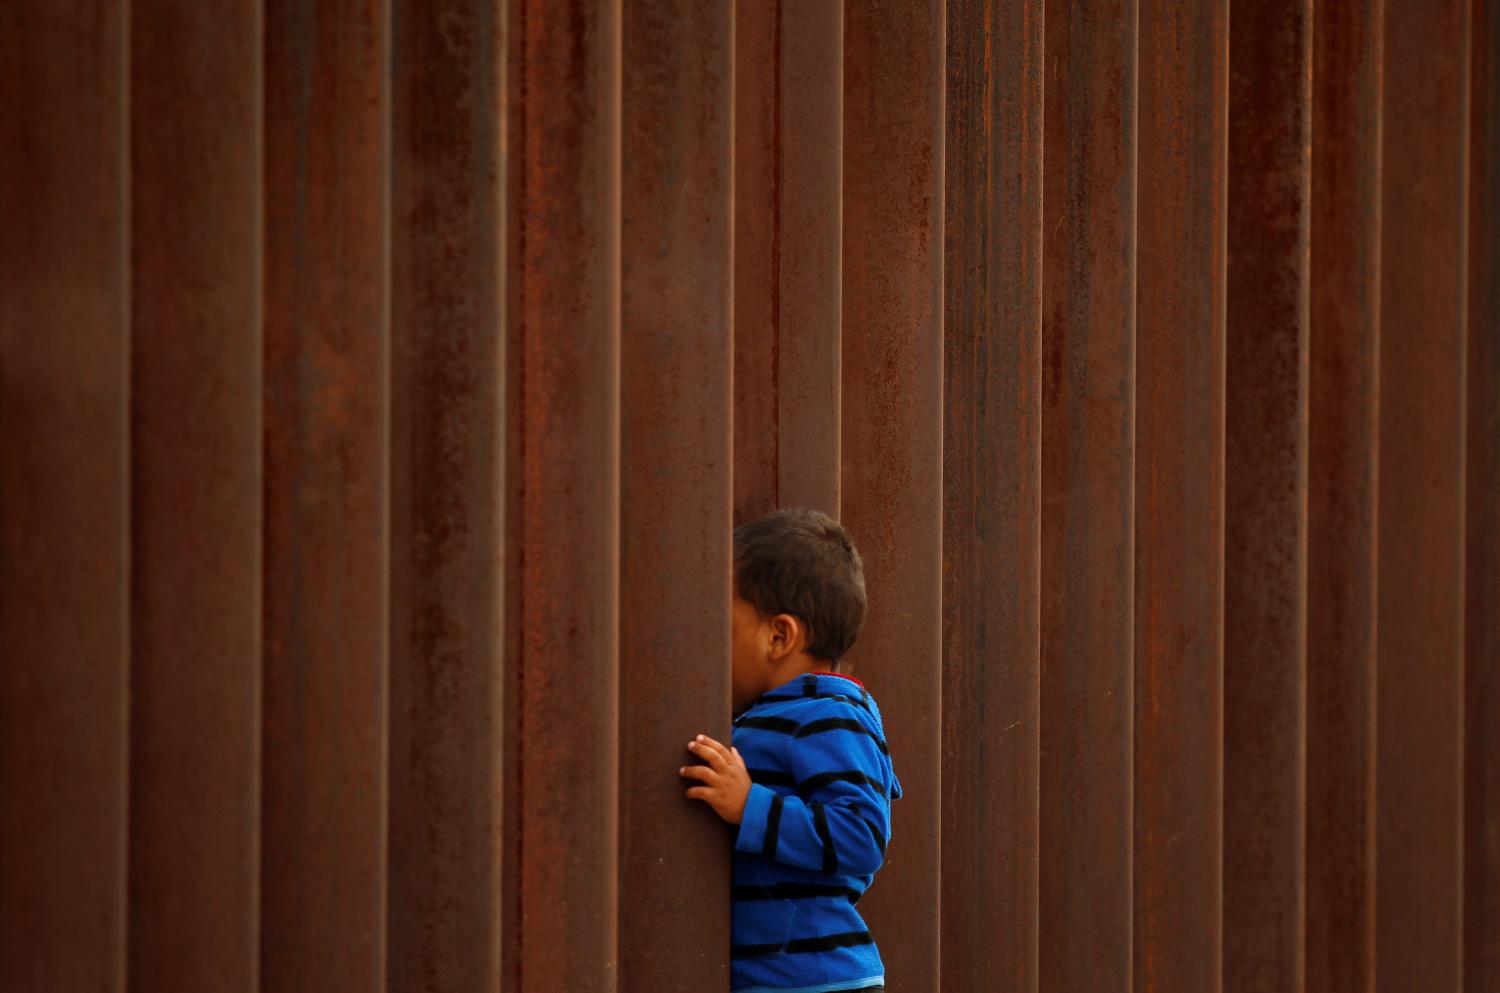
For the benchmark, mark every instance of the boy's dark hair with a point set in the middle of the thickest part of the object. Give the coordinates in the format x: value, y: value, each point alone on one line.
x: 801, y: 562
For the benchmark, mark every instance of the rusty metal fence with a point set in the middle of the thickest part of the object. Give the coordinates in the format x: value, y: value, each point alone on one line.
x: 380, y: 379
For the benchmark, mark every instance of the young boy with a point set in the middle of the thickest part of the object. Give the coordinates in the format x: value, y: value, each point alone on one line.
x: 809, y: 778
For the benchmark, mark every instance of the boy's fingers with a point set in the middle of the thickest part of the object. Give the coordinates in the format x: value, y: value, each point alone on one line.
x: 702, y: 772
x: 706, y: 748
x: 719, y: 747
x: 698, y: 793
x: 705, y: 753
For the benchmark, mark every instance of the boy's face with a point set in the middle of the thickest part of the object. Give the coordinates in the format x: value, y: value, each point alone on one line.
x: 750, y: 654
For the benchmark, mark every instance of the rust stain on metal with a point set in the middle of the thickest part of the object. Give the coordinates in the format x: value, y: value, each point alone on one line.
x: 563, y: 617
x: 1179, y: 477
x: 788, y: 255
x: 1265, y: 514
x: 677, y: 283
x: 808, y: 253
x: 1088, y: 524
x: 64, y: 501
x: 1419, y: 693
x: 323, y: 819
x: 992, y: 496
x: 196, y: 349
x: 1481, y: 883
x: 757, y: 168
x: 496, y: 450
x: 447, y: 467
x: 892, y: 422
x: 1343, y: 443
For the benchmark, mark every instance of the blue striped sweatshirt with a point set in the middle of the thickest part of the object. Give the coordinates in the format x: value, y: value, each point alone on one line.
x: 814, y: 831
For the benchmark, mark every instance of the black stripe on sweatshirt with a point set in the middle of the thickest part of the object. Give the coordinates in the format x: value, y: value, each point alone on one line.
x: 771, y: 777
x: 820, y: 822
x: 780, y: 725
x: 875, y: 833
x: 785, y: 725
x: 775, y: 777
x: 793, y: 891
x: 825, y: 943
x: 838, y: 724
x: 814, y: 783
x: 773, y: 826
x: 863, y: 700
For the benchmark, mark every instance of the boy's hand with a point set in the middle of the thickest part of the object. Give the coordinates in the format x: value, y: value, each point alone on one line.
x: 726, y: 781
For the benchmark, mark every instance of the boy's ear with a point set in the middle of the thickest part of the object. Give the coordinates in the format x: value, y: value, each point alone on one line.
x: 786, y: 636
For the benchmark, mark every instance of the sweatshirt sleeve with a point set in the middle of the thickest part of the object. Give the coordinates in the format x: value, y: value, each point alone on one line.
x: 838, y: 820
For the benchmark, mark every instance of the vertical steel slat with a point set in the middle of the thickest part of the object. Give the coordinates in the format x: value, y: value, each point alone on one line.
x: 447, y: 465
x: 564, y: 146
x: 1342, y: 470
x: 196, y: 479
x: 1088, y: 516
x: 676, y: 392
x: 64, y: 501
x: 788, y: 214
x: 1179, y: 495
x: 991, y: 495
x: 808, y: 276
x: 757, y: 170
x: 323, y: 815
x: 1265, y: 482
x: 514, y: 181
x: 1419, y: 693
x: 1481, y: 883
x: 892, y: 423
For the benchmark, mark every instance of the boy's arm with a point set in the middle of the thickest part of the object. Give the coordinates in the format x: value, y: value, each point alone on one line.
x: 839, y: 818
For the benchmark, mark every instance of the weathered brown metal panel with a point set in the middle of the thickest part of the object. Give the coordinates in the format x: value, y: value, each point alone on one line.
x: 1342, y: 461
x: 447, y: 464
x: 1179, y: 495
x: 1088, y: 517
x: 991, y: 495
x: 323, y: 814
x: 757, y: 170
x: 195, y: 720
x: 809, y: 209
x: 1265, y: 495
x: 1481, y: 884
x: 893, y: 436
x: 64, y: 503
x: 675, y: 420
x: 788, y: 215
x: 1424, y: 251
x: 563, y: 326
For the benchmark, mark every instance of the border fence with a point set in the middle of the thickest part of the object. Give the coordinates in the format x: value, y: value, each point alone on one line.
x: 380, y: 381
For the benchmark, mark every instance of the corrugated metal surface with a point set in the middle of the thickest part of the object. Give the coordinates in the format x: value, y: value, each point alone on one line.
x: 196, y: 439
x: 1179, y: 494
x: 326, y: 491
x: 379, y: 380
x: 892, y: 461
x: 563, y: 466
x: 446, y: 529
x: 788, y: 213
x: 64, y: 506
x: 1342, y: 468
x: 1265, y: 500
x: 1088, y: 497
x: 676, y: 403
x: 1481, y: 879
x: 992, y: 381
x: 1419, y: 604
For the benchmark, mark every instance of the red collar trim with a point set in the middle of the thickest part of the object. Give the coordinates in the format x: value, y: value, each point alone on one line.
x: 841, y: 676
